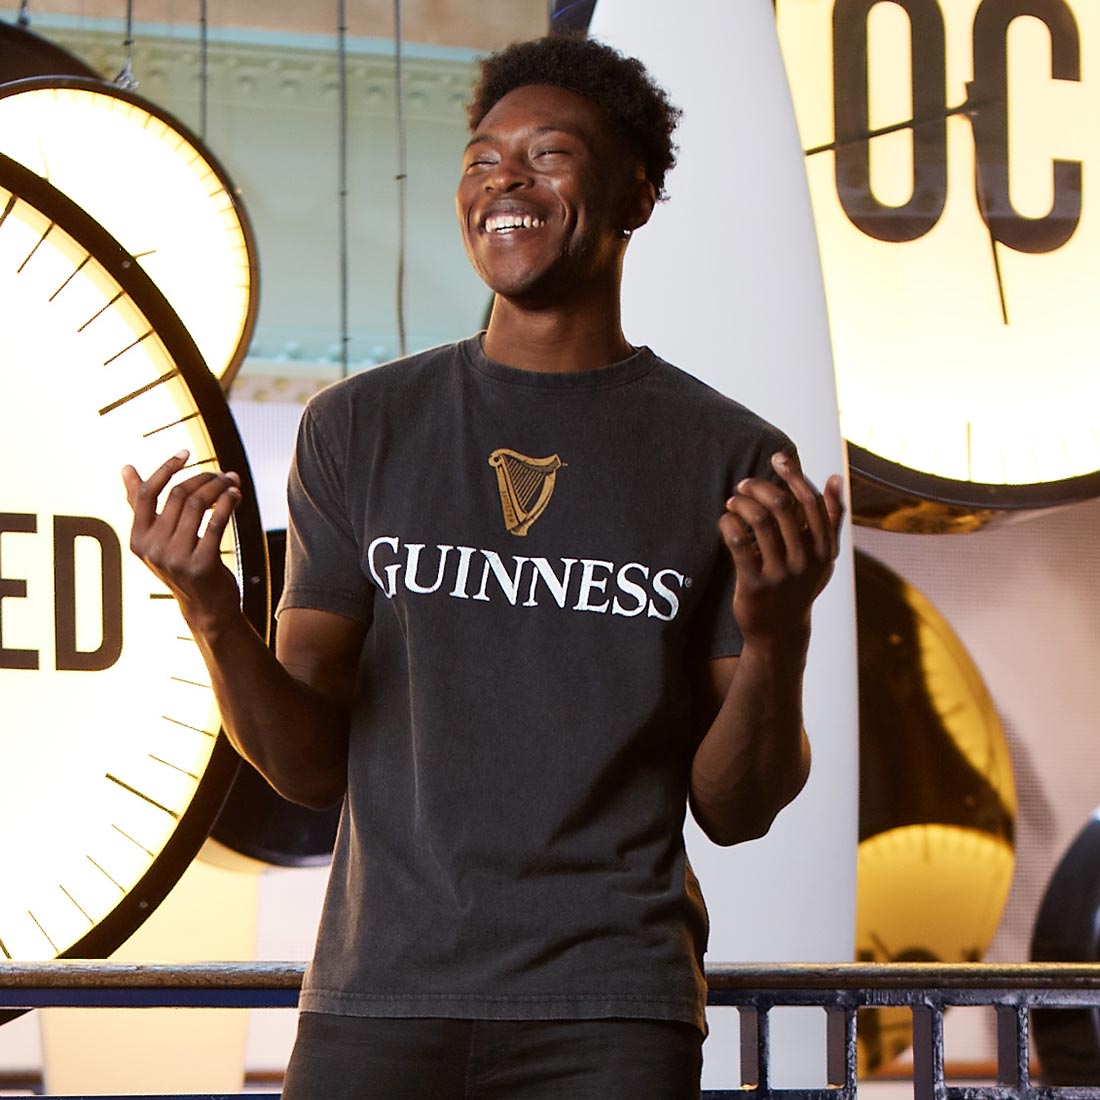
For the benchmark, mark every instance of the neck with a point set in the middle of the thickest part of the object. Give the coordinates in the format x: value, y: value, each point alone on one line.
x: 549, y: 340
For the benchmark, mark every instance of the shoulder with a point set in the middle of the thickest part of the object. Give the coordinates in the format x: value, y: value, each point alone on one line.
x: 717, y: 414
x: 395, y: 382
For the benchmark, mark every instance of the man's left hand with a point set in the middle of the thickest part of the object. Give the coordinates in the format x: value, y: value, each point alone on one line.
x: 783, y: 539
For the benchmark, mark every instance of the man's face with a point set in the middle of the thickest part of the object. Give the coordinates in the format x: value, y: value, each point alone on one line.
x: 545, y: 194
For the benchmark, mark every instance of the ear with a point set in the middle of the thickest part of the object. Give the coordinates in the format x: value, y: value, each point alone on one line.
x: 640, y: 203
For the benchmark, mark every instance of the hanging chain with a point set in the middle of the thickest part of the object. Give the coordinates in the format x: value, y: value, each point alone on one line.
x: 342, y: 178
x: 204, y: 70
x: 125, y: 79
x: 401, y: 177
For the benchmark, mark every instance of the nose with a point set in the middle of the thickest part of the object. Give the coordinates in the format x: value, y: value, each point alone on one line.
x: 508, y: 174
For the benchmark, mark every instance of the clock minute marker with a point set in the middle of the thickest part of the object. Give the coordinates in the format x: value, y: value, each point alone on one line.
x: 129, y: 347
x: 100, y: 312
x: 90, y: 918
x: 123, y: 832
x: 188, y: 726
x: 191, y: 683
x: 142, y: 795
x: 886, y: 953
x: 172, y: 424
x: 72, y: 275
x: 106, y: 873
x: 139, y: 392
x: 43, y: 931
x: 174, y: 767
x: 37, y: 245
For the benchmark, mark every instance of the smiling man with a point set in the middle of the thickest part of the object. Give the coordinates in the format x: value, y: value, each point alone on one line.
x: 544, y: 590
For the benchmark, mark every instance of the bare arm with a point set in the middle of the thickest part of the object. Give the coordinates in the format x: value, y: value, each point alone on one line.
x: 288, y: 716
x: 754, y: 756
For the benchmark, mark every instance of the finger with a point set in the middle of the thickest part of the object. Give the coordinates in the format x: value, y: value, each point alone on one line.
x: 741, y: 545
x: 196, y: 496
x: 143, y: 495
x: 175, y: 503
x: 814, y: 509
x: 209, y: 546
x: 786, y: 516
x: 762, y: 522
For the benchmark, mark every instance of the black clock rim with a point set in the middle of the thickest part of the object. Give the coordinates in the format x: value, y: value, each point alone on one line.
x: 102, y: 87
x: 971, y: 494
x: 196, y: 821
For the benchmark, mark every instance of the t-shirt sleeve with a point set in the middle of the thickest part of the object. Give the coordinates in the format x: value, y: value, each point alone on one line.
x: 323, y: 563
x: 719, y: 635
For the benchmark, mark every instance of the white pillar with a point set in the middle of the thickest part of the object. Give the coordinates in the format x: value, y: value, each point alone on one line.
x: 725, y: 282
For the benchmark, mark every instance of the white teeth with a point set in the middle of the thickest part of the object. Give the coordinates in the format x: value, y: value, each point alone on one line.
x: 502, y: 222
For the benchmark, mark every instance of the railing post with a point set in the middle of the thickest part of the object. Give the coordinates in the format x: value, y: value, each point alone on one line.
x: 928, y: 1052
x: 1013, y: 1048
x: 840, y: 1051
x: 754, y: 1047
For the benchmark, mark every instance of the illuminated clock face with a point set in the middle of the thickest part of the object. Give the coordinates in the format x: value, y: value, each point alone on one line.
x: 925, y: 893
x: 954, y: 169
x: 113, y: 765
x: 155, y: 189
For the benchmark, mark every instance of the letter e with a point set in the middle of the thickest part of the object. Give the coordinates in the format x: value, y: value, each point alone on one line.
x: 15, y: 588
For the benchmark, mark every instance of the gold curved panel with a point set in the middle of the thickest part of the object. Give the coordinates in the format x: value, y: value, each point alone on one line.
x: 937, y: 796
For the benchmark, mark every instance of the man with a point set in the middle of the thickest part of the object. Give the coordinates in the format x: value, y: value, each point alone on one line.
x: 511, y: 639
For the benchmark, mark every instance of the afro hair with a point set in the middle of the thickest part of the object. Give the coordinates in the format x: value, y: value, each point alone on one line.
x: 638, y: 108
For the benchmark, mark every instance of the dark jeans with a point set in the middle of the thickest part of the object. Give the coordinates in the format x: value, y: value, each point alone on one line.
x: 352, y: 1058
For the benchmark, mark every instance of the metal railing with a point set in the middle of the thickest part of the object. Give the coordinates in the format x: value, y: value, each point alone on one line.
x: 840, y: 991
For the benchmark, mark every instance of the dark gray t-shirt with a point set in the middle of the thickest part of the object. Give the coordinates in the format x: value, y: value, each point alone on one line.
x: 538, y: 557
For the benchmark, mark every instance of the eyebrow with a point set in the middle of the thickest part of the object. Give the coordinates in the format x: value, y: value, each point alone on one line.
x: 479, y: 139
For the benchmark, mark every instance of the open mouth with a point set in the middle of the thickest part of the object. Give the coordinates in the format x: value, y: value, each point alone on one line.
x: 511, y: 223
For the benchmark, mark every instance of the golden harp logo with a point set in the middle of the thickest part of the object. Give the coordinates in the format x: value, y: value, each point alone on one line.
x: 526, y: 486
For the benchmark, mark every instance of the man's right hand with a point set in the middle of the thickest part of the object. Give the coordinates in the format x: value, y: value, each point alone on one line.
x: 287, y: 716
x: 170, y: 543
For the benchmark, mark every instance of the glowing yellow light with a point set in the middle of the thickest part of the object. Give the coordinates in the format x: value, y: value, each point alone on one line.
x: 150, y: 187
x: 929, y: 375
x: 109, y: 718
